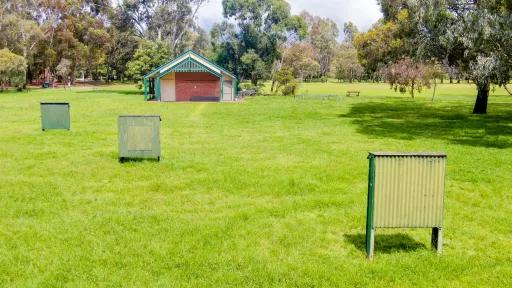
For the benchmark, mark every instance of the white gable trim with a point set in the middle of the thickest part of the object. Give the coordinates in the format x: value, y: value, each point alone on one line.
x: 185, y: 57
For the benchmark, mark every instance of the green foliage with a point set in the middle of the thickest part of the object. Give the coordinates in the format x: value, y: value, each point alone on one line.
x: 378, y: 46
x: 323, y: 34
x: 300, y: 58
x: 97, y: 37
x: 148, y: 56
x: 171, y: 22
x: 290, y: 88
x: 254, y: 66
x: 475, y: 37
x: 262, y: 27
x: 13, y: 69
x: 346, y: 65
x: 282, y: 78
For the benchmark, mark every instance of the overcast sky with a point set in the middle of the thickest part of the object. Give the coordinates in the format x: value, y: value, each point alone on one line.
x: 362, y: 12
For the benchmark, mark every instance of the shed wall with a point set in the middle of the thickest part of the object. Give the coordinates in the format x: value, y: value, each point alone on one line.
x: 168, y: 87
x: 196, y: 84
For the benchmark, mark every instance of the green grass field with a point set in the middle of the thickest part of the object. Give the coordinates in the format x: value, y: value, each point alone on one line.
x: 269, y: 192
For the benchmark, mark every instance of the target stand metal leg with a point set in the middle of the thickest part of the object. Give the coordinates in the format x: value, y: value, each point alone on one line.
x: 437, y: 239
x: 370, y: 243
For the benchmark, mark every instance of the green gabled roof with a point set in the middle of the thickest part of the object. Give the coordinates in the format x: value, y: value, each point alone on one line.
x: 179, y: 59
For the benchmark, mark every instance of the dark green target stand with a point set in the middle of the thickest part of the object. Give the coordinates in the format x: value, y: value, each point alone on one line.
x: 55, y: 115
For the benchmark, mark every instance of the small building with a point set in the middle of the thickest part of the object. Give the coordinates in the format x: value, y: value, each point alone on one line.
x: 190, y: 77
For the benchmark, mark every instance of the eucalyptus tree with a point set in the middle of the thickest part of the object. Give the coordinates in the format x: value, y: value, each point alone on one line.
x: 485, y: 31
x: 262, y: 26
x: 345, y: 64
x: 322, y: 34
x: 474, y: 36
x: 350, y: 32
x: 163, y: 20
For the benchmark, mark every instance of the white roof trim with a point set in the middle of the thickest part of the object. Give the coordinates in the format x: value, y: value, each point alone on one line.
x: 183, y: 58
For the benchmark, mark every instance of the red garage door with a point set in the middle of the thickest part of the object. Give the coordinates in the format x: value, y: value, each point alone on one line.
x: 197, y: 86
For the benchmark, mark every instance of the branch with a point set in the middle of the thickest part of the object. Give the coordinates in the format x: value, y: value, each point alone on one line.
x: 506, y: 89
x: 199, y: 3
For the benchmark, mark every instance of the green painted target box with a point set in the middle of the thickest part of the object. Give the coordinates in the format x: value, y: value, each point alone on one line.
x: 405, y: 190
x: 139, y: 137
x: 55, y: 115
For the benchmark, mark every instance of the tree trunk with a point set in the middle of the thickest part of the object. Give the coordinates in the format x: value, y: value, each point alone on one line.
x: 435, y: 86
x: 481, y: 99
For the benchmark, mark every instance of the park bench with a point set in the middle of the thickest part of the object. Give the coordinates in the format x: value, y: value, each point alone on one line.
x: 353, y: 93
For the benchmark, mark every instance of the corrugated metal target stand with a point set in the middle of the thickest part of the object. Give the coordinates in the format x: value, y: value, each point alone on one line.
x: 55, y: 115
x: 139, y: 137
x: 405, y: 190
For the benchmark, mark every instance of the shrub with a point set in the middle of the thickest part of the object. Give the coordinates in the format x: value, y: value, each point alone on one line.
x: 290, y: 88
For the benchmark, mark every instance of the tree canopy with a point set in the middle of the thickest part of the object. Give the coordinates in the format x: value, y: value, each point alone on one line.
x: 12, y: 69
x: 472, y: 37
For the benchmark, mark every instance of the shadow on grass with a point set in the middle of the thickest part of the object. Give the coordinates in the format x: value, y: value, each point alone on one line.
x: 128, y: 160
x: 413, y: 120
x: 112, y: 91
x: 386, y: 243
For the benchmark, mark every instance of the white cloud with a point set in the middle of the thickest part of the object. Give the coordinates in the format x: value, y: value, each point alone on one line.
x: 362, y: 12
x: 210, y: 13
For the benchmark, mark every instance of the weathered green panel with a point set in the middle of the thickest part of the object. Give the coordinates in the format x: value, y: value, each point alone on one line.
x: 139, y: 136
x: 409, y: 190
x: 405, y: 190
x: 55, y: 115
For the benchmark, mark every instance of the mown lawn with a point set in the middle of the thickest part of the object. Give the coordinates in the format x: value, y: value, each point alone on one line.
x: 270, y: 192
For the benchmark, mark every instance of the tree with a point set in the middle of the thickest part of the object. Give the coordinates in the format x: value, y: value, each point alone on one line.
x: 122, y: 45
x: 346, y: 65
x: 147, y: 57
x: 300, y: 59
x: 391, y: 8
x: 474, y: 36
x: 378, y: 46
x: 254, y: 66
x: 408, y: 75
x: 170, y: 21
x: 307, y: 68
x: 350, y: 31
x: 322, y: 34
x: 13, y: 69
x: 285, y: 82
x: 64, y: 70
x: 262, y: 27
x: 485, y: 30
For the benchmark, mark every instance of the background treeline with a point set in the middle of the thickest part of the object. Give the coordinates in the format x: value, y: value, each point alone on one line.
x: 97, y: 39
x: 413, y: 45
